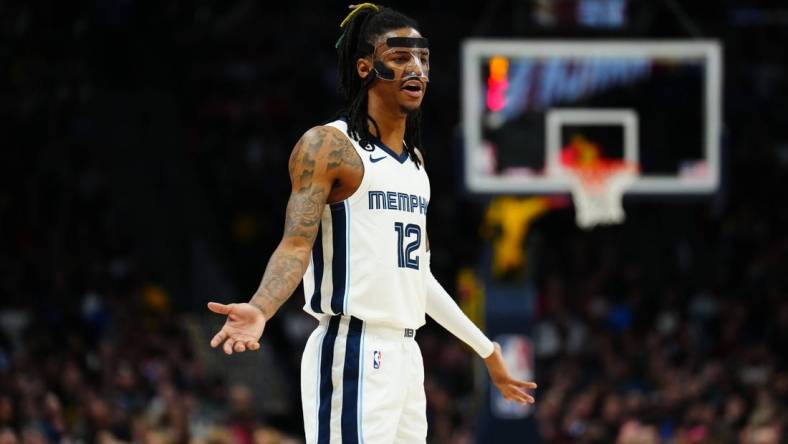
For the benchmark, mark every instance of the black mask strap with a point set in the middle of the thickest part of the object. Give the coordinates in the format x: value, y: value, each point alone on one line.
x: 365, y: 48
x: 407, y: 42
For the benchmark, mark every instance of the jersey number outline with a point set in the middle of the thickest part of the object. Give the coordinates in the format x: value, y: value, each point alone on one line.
x: 405, y: 252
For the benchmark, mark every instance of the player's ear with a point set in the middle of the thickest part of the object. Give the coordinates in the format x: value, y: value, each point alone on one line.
x: 363, y: 67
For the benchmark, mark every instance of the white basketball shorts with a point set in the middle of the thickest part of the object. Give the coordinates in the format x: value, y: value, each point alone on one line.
x: 362, y: 383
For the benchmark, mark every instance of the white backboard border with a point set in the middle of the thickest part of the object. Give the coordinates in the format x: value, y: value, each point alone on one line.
x: 475, y: 49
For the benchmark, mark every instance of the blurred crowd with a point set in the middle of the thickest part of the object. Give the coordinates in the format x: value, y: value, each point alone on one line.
x: 143, y: 173
x: 665, y: 342
x: 139, y: 381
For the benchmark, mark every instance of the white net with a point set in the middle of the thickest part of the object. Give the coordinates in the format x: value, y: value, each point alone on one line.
x: 597, y: 194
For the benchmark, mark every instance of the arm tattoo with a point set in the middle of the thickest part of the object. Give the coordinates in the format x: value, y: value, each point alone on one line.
x: 311, y: 164
x: 281, y: 277
x: 303, y: 213
x: 342, y: 153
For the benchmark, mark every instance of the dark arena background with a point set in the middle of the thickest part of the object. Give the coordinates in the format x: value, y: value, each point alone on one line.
x: 143, y: 172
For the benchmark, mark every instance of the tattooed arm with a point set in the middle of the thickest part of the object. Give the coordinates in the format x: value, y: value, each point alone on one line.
x: 311, y: 183
x: 315, y: 168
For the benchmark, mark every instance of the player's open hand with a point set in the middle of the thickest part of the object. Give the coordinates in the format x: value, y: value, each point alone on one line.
x: 242, y: 330
x: 511, y: 389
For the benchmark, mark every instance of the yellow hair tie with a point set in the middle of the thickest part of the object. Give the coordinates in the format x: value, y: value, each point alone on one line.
x: 355, y: 10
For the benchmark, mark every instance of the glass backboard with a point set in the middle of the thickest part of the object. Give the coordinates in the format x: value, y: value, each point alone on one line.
x: 656, y: 104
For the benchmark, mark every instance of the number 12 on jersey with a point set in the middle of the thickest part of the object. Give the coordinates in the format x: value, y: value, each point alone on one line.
x: 412, y: 233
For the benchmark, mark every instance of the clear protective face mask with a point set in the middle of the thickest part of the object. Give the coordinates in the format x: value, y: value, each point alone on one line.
x: 405, y: 58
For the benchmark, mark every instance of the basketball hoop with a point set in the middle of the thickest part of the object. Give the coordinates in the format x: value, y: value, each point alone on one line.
x: 597, y: 191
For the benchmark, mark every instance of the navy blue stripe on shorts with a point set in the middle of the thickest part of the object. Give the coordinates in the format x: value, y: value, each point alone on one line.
x: 350, y: 382
x: 326, y: 386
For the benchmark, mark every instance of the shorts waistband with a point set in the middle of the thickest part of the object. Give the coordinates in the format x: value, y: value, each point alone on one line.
x: 383, y: 330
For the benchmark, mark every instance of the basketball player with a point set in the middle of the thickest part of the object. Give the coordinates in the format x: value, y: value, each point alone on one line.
x: 355, y: 231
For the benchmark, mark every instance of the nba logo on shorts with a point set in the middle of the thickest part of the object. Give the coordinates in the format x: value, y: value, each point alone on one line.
x: 376, y: 356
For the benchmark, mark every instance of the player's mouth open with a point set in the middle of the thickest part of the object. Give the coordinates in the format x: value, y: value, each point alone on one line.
x: 413, y: 88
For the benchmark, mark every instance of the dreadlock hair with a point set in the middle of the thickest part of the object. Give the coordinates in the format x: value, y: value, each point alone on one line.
x: 360, y: 30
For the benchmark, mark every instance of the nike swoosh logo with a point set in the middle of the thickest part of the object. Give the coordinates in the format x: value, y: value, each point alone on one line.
x: 373, y: 160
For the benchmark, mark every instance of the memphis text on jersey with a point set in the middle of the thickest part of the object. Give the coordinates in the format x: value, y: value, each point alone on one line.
x: 391, y: 200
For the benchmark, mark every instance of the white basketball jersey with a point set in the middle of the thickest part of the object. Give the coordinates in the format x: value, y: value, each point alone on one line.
x: 367, y: 258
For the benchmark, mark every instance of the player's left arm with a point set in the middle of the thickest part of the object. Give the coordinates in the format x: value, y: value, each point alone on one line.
x: 441, y: 307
